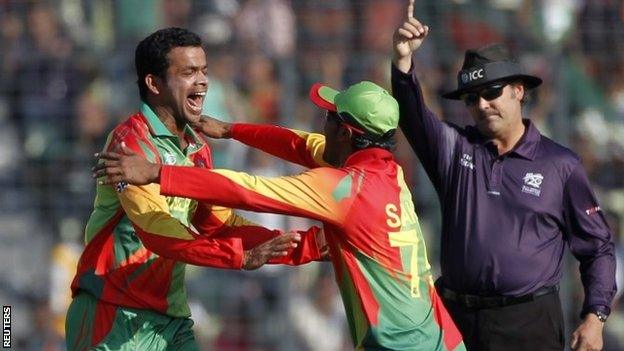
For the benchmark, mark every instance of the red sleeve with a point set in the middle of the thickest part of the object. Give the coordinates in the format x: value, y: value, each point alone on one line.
x: 324, y: 194
x: 200, y: 251
x: 158, y: 230
x: 208, y: 224
x: 292, y: 145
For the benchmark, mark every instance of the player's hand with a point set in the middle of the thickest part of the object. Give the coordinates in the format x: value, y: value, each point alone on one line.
x: 125, y: 166
x: 214, y: 128
x: 588, y: 336
x: 407, y: 38
x: 276, y: 247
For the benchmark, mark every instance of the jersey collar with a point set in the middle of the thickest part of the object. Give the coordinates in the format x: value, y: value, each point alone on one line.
x: 157, y: 127
x: 526, y: 147
x: 366, y: 155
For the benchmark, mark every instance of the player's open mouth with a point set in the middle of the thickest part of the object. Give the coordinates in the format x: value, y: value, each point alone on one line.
x: 196, y: 101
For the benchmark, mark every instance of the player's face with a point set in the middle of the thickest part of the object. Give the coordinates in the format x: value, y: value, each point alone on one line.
x: 496, y: 115
x: 186, y: 83
x: 332, y: 144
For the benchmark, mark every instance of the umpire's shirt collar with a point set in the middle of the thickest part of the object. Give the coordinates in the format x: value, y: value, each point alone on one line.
x: 525, y: 148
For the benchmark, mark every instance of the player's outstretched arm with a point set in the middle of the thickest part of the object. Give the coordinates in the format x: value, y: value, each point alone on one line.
x: 166, y: 236
x: 303, y: 148
x: 276, y: 247
x: 310, y: 194
x: 223, y: 222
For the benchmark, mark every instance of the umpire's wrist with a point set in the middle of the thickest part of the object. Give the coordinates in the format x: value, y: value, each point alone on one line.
x: 600, y: 312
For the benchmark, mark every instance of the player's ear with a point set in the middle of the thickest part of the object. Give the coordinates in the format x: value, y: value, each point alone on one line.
x: 344, y: 133
x: 153, y: 83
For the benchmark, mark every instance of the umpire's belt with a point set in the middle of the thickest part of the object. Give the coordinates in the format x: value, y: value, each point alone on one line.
x: 477, y: 302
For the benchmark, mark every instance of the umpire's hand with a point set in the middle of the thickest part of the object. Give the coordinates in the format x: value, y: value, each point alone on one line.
x: 588, y: 336
x: 407, y: 38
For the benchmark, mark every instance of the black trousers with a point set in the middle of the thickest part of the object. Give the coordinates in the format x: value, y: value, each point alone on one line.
x: 534, y: 326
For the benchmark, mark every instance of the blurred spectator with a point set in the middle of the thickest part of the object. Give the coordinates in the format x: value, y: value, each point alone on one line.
x: 602, y: 29
x: 267, y: 26
x: 318, y: 317
x: 224, y: 101
x: 177, y: 13
x: 262, y: 90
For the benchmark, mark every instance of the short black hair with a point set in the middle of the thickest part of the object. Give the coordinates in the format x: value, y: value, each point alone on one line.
x: 365, y: 141
x: 151, y: 53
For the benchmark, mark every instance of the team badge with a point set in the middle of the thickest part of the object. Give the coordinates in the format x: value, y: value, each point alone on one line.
x: 532, y: 184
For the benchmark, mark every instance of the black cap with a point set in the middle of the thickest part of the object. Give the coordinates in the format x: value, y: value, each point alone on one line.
x: 489, y: 64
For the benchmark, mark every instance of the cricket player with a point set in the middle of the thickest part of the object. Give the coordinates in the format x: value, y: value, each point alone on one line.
x: 356, y: 188
x: 128, y: 292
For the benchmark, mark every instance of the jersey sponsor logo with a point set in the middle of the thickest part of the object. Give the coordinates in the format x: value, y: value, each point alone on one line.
x: 591, y: 211
x: 179, y: 205
x: 532, y: 183
x: 466, y: 161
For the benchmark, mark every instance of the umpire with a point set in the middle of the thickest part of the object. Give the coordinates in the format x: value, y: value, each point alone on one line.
x: 511, y: 200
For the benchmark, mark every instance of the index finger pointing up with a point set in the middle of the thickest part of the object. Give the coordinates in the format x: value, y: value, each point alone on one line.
x: 410, y: 9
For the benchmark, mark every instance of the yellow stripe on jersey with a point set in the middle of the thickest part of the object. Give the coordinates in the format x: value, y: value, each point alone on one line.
x: 315, y: 144
x: 146, y: 208
x: 227, y: 216
x: 310, y: 191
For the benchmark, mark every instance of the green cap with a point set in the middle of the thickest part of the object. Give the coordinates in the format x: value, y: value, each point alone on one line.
x: 368, y: 105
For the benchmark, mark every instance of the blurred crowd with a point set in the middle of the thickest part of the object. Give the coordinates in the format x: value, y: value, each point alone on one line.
x: 67, y: 76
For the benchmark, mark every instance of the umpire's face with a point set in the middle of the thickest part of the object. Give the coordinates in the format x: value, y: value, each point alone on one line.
x: 496, y: 108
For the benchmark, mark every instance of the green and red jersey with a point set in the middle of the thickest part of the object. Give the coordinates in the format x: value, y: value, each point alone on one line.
x: 138, y: 242
x: 375, y: 240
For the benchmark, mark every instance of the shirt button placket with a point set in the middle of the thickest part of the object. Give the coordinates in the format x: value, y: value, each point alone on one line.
x: 495, y: 178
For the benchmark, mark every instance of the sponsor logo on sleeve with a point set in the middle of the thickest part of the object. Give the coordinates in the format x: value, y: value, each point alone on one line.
x: 591, y: 211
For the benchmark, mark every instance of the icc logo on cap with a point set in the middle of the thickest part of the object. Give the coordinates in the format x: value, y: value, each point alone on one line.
x: 472, y: 75
x: 464, y: 78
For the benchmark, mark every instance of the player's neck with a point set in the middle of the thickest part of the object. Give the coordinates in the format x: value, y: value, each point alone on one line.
x: 173, y: 125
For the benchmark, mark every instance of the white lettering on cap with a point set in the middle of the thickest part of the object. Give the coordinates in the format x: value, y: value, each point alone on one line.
x: 472, y: 75
x: 476, y: 74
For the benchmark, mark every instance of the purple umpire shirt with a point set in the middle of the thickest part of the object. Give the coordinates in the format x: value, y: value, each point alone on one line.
x: 506, y: 219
